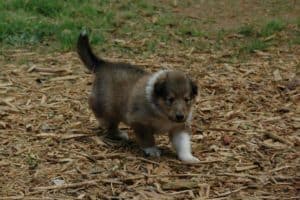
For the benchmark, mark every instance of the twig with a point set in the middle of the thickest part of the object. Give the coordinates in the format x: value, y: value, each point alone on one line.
x: 277, y: 137
x: 162, y: 176
x: 230, y: 192
x: 239, y: 175
x: 109, y: 197
x: 48, y: 70
x: 12, y: 197
x: 71, y: 136
x: 224, y: 129
x: 4, y: 163
x: 259, y: 154
x: 218, y: 198
x: 143, y: 159
x: 75, y: 185
x: 63, y: 137
x: 160, y: 190
x: 63, y: 78
x: 281, y: 177
x: 273, y: 146
x: 65, y: 186
x: 109, y: 155
x: 198, y: 163
x: 279, y: 168
x: 12, y: 106
x: 91, y: 158
x: 244, y: 168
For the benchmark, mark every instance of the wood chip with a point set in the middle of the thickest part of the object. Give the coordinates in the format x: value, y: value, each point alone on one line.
x: 64, y: 78
x: 277, y: 76
x: 75, y: 185
x: 180, y: 185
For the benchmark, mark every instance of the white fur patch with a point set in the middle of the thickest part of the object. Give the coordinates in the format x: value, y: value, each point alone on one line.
x: 181, y: 143
x: 152, y: 151
x: 151, y: 82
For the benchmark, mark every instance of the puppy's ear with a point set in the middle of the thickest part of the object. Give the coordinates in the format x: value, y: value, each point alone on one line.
x: 160, y: 88
x: 194, y: 89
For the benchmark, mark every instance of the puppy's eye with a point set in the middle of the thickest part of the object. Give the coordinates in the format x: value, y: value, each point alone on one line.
x: 170, y: 100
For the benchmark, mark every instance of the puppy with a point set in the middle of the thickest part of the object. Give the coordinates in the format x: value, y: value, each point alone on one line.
x: 149, y: 103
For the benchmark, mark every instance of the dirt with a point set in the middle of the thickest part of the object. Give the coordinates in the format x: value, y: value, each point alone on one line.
x: 245, y: 131
x: 231, y: 14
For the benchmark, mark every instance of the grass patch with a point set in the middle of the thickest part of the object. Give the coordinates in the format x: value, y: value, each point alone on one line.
x: 255, y: 36
x: 39, y: 7
x: 57, y: 22
x: 296, y: 38
x: 187, y: 28
x: 247, y: 30
x: 272, y: 27
x: 253, y: 45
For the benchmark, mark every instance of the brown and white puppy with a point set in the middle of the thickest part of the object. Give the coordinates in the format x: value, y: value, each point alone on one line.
x: 149, y: 103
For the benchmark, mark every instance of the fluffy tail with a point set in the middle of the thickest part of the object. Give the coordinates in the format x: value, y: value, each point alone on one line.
x: 91, y: 61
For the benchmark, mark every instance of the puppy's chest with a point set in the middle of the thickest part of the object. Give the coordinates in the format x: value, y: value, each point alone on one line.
x: 163, y: 126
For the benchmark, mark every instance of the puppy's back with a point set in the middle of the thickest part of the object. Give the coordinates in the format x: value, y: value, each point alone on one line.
x: 113, y: 82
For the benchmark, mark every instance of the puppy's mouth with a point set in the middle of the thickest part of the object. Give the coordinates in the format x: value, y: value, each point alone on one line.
x: 177, y: 120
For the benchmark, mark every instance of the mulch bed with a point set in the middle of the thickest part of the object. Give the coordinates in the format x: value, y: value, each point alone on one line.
x: 245, y: 132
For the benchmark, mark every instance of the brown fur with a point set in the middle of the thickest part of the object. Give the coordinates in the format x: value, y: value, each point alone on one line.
x: 119, y: 94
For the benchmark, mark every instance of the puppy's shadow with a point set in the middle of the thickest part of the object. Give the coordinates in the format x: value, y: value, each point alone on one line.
x: 113, y: 142
x: 130, y: 146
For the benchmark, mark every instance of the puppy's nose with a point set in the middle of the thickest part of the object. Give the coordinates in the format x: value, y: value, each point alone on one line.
x: 179, y: 117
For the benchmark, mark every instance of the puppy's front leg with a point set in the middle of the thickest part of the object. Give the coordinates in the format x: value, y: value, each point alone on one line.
x: 146, y: 140
x: 182, y: 144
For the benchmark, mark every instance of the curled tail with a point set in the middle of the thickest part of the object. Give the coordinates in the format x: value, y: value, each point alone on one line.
x: 91, y: 61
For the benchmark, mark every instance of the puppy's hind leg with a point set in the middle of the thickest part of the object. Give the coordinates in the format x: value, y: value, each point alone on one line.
x: 113, y: 131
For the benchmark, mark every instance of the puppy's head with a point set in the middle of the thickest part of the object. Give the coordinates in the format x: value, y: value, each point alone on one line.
x: 174, y: 95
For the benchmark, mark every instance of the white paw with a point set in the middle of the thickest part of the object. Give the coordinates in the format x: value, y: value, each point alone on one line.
x: 123, y: 135
x: 152, y: 151
x: 189, y: 158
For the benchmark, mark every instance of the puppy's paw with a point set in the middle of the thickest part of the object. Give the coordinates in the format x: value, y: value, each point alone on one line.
x: 189, y: 158
x: 119, y: 135
x: 152, y: 151
x: 123, y: 135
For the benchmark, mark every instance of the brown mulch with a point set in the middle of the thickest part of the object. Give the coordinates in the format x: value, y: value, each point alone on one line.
x: 245, y: 131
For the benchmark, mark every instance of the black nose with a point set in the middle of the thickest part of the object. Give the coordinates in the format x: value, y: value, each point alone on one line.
x: 179, y: 117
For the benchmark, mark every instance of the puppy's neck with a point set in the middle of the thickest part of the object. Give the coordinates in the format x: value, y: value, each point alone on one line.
x: 149, y: 89
x: 151, y: 82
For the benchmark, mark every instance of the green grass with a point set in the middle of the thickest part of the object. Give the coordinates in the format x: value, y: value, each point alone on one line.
x: 33, y: 22
x: 148, y: 27
x: 247, y: 30
x: 32, y: 161
x: 272, y: 27
x: 254, y: 44
x: 296, y: 38
x: 268, y: 29
x: 255, y: 36
x: 57, y: 23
